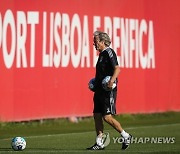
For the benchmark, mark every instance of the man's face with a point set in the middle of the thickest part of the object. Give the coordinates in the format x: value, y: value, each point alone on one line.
x: 99, y: 45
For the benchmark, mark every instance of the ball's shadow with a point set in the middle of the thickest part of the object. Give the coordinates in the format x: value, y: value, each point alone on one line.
x: 6, y: 149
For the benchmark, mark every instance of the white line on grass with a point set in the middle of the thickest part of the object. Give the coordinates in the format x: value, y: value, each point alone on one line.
x: 128, y: 128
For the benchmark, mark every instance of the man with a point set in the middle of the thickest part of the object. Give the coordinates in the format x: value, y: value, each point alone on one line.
x: 105, y: 101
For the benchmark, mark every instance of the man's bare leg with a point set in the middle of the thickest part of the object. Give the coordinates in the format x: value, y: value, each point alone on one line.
x: 113, y: 122
x: 98, y: 119
x: 116, y: 125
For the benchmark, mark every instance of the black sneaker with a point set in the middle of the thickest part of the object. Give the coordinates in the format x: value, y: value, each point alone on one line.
x: 126, y: 142
x: 95, y: 147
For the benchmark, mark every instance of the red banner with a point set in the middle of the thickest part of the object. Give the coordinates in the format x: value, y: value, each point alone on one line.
x: 47, y: 56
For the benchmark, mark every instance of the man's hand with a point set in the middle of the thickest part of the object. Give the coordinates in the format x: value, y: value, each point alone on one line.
x: 110, y: 84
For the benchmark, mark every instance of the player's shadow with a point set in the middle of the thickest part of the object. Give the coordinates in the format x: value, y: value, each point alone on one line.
x: 50, y: 149
x: 44, y: 149
x: 38, y: 149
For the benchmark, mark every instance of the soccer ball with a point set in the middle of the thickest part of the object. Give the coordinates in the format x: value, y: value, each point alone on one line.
x: 105, y: 82
x: 18, y: 143
x: 91, y: 84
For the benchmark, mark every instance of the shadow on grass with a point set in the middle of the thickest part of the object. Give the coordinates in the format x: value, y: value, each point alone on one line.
x: 6, y: 149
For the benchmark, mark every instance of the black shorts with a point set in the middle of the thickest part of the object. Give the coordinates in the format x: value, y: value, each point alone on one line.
x: 105, y: 102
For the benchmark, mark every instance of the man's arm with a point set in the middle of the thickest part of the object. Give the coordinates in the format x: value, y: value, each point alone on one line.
x: 115, y: 75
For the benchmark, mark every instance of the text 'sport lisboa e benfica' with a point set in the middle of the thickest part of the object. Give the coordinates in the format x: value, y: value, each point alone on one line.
x: 65, y: 39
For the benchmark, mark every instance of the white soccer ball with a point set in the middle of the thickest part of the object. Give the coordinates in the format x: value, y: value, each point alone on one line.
x: 105, y: 82
x: 18, y: 143
x: 91, y: 84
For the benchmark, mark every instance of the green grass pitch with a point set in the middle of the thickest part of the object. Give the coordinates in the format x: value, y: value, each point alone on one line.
x: 61, y: 136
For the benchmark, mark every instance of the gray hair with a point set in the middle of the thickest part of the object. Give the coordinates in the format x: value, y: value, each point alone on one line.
x: 103, y: 37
